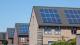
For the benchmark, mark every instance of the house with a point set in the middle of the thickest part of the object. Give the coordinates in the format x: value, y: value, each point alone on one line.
x: 50, y: 24
x: 10, y: 35
x: 3, y: 40
x: 21, y: 36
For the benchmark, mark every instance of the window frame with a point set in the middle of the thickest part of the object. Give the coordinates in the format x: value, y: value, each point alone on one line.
x: 48, y: 30
x: 73, y: 29
x: 58, y: 30
x: 22, y: 39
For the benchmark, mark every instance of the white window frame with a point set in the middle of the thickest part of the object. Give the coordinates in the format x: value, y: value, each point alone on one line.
x: 57, y: 31
x: 22, y: 39
x: 48, y: 31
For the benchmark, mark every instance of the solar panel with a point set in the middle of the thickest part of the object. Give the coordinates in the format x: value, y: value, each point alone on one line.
x: 73, y: 16
x: 23, y: 29
x: 11, y: 32
x: 50, y: 16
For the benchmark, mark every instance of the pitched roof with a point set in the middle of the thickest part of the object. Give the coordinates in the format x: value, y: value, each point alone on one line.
x: 22, y: 28
x: 62, y: 15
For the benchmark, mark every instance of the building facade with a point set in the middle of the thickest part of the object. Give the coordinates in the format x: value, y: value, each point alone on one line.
x: 50, y: 24
x: 18, y: 35
x: 10, y: 35
x: 3, y: 40
x: 21, y: 34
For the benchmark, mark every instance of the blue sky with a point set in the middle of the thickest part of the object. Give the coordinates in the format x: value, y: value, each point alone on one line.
x: 19, y: 11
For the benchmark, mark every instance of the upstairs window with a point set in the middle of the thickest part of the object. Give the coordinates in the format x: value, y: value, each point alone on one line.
x: 73, y: 30
x: 22, y: 39
x: 57, y: 30
x: 47, y: 31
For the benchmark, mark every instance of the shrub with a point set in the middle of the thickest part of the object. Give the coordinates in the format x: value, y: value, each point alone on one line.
x: 62, y: 42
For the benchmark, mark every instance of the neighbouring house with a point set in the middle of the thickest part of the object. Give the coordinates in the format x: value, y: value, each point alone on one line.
x: 3, y: 40
x: 10, y: 35
x: 21, y: 36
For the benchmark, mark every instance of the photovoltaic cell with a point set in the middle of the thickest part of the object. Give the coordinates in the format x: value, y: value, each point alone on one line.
x: 23, y: 29
x: 73, y: 16
x: 50, y: 16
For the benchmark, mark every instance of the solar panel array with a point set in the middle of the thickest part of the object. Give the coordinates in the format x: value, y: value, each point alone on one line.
x: 72, y: 15
x: 11, y: 32
x: 50, y: 16
x: 23, y: 29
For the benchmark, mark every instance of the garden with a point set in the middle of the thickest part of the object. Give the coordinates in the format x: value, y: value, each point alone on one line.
x: 63, y: 42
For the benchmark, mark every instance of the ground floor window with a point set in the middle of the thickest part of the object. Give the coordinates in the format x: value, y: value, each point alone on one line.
x: 50, y: 42
x: 25, y: 44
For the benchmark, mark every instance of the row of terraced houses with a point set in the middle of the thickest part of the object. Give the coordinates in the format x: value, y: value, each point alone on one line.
x: 47, y: 25
x: 15, y: 36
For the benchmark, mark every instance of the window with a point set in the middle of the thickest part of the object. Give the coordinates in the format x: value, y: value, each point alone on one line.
x: 57, y: 31
x: 39, y: 42
x: 11, y: 33
x: 47, y: 31
x: 50, y: 42
x: 25, y: 44
x: 73, y: 30
x: 22, y: 39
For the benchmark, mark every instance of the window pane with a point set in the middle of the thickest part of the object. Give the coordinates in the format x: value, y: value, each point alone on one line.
x: 22, y: 39
x: 57, y: 31
x: 50, y: 42
x: 47, y: 31
x: 73, y: 30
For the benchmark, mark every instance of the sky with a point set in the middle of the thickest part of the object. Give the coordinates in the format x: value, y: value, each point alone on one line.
x: 19, y: 11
